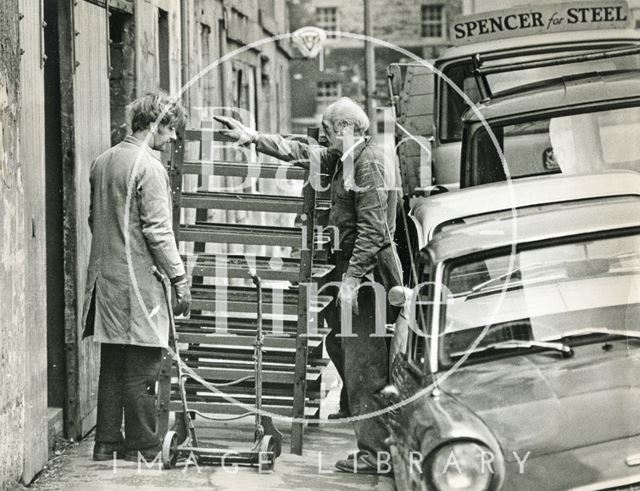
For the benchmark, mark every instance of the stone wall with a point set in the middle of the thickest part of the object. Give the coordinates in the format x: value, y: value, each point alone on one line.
x: 22, y: 207
x: 399, y: 25
x: 12, y: 256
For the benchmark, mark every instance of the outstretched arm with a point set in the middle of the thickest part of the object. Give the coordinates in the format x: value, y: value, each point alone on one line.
x: 289, y: 150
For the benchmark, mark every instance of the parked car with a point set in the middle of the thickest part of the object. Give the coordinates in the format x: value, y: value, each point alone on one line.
x: 571, y: 125
x: 431, y: 215
x: 437, y: 213
x: 520, y: 368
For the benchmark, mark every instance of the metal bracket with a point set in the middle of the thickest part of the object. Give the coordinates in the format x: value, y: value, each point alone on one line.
x: 21, y: 50
x: 107, y: 32
x: 43, y: 24
x: 76, y: 33
x: 481, y: 80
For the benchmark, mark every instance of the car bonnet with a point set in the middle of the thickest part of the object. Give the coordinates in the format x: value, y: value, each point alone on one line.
x: 543, y: 404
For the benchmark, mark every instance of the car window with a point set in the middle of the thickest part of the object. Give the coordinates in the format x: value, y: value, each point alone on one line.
x: 586, y: 143
x: 500, y: 82
x: 542, y: 293
x: 461, y: 74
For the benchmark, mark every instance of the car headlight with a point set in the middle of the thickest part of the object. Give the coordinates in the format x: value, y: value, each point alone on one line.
x: 462, y: 465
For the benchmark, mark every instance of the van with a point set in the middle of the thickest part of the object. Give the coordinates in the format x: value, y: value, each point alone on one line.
x: 429, y: 104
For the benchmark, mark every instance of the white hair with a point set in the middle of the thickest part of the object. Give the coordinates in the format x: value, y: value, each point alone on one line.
x: 346, y: 112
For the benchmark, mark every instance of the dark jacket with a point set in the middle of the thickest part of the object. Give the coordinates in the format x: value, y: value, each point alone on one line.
x: 363, y: 203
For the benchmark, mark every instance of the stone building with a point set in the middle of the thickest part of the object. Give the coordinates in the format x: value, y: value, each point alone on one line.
x: 419, y: 27
x: 67, y: 72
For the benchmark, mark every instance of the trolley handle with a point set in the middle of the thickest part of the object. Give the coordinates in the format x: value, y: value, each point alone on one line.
x: 254, y: 277
x: 158, y: 275
x: 162, y: 279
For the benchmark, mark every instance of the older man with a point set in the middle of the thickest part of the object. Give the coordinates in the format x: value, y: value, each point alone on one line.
x: 130, y: 219
x: 363, y: 211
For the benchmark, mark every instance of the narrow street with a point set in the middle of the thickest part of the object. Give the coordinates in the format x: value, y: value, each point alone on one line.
x: 74, y: 470
x: 324, y: 444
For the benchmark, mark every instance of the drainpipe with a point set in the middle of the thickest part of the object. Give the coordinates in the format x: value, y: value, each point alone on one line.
x: 184, y: 47
x: 370, y: 68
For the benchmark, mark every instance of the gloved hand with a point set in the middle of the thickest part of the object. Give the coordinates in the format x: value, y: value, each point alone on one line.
x: 348, y: 294
x: 182, y: 297
x: 236, y: 130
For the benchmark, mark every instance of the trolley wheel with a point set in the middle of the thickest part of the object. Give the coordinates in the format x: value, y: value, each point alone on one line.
x: 180, y: 427
x: 267, y: 458
x: 276, y: 436
x: 170, y: 449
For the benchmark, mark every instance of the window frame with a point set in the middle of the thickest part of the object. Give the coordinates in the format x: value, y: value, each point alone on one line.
x: 428, y: 23
x: 320, y: 18
x: 328, y: 97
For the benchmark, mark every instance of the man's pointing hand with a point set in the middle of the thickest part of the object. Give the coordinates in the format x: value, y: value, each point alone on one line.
x: 235, y: 130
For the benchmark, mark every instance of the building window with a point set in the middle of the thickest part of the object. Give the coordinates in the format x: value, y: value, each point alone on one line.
x: 327, y: 19
x: 163, y: 51
x: 328, y: 91
x: 433, y: 21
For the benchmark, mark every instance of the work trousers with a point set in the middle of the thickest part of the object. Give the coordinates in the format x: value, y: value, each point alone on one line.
x: 366, y: 357
x: 332, y: 341
x: 366, y: 362
x: 128, y: 376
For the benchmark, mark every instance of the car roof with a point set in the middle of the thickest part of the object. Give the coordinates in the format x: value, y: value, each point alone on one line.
x: 540, y: 40
x: 598, y: 215
x: 559, y: 92
x: 518, y: 193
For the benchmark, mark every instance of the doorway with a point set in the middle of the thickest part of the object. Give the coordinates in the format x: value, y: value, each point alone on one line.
x: 56, y: 358
x: 53, y: 179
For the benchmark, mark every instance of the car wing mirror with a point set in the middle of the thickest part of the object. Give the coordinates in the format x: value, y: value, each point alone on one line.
x: 399, y: 295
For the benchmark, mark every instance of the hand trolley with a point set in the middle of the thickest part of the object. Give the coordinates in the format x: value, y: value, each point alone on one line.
x: 182, y: 442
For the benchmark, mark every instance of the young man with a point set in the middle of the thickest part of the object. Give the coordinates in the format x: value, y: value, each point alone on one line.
x: 363, y: 209
x: 124, y: 309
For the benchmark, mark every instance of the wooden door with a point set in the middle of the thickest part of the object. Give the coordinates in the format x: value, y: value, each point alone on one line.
x: 31, y: 134
x: 85, y: 134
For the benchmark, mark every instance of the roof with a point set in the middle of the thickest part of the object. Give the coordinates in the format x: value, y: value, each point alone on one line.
x: 583, y: 217
x: 560, y: 92
x: 478, y: 200
x: 540, y: 40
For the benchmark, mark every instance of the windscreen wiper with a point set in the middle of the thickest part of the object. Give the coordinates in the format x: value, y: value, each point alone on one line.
x: 514, y: 276
x: 598, y: 330
x: 566, y: 350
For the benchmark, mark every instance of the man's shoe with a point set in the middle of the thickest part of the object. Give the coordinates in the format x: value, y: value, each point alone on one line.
x: 361, y: 464
x: 105, y: 451
x: 341, y: 414
x: 148, y: 454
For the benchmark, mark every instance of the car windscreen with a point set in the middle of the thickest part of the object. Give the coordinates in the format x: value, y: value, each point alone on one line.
x: 523, y: 211
x: 540, y: 294
x: 589, y: 142
x: 461, y: 74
